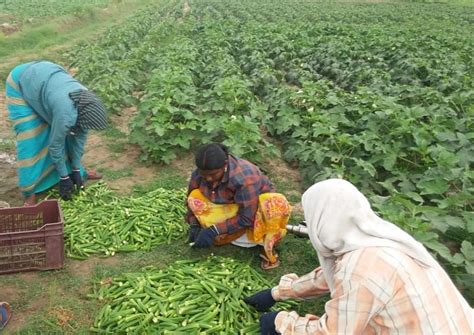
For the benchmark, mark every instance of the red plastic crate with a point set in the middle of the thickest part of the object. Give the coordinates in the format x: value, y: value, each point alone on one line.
x: 31, y: 238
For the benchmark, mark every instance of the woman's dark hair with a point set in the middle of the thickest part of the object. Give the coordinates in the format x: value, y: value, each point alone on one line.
x: 211, y: 156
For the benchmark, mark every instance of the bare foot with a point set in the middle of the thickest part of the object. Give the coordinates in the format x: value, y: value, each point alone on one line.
x: 30, y: 201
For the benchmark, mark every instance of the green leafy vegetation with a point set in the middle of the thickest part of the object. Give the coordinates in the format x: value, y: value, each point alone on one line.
x: 379, y: 94
x: 27, y: 9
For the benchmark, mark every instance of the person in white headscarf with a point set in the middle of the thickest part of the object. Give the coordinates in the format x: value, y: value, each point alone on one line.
x: 381, y: 280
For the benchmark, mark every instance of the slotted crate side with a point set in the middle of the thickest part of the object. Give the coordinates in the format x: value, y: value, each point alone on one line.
x: 14, y: 222
x: 31, y: 238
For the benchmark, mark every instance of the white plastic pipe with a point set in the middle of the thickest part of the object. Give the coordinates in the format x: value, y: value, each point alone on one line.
x: 298, y: 230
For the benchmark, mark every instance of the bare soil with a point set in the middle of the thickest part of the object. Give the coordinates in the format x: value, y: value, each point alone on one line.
x: 19, y: 319
x: 8, y: 28
x: 83, y: 270
x: 98, y: 156
x: 21, y: 313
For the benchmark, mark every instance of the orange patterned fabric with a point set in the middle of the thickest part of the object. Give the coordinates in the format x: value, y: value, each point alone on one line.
x: 269, y: 224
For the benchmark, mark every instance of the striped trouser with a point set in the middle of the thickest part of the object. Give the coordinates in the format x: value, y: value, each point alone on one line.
x: 36, y: 171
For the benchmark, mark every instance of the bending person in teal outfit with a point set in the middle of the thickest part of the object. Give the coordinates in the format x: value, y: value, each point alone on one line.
x: 51, y: 114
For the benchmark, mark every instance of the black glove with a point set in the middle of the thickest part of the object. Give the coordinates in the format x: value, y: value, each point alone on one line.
x: 206, y: 237
x: 267, y: 323
x: 262, y: 301
x: 66, y: 187
x: 77, y: 179
x: 194, y: 230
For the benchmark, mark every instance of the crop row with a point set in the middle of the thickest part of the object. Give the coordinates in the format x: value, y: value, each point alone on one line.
x: 24, y: 9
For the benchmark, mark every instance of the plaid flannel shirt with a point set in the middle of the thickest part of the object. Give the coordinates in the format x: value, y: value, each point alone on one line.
x: 377, y: 291
x: 242, y: 184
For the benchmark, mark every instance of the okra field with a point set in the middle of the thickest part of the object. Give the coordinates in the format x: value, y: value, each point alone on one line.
x: 31, y: 9
x: 379, y: 93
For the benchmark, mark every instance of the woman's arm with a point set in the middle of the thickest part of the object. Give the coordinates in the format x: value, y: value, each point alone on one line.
x: 309, y: 286
x: 348, y: 312
x: 57, y: 143
x: 193, y: 184
x: 362, y: 288
x: 76, y: 144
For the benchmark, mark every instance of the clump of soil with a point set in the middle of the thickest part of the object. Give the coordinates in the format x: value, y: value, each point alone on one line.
x: 9, y: 28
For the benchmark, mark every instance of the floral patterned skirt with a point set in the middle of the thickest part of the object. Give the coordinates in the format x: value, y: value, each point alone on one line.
x: 269, y: 225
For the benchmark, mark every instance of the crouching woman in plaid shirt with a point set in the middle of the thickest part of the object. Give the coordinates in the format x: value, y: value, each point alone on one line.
x: 381, y: 280
x: 231, y: 201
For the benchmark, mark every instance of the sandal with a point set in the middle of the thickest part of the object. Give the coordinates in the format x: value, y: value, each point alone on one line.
x: 93, y: 174
x: 5, y: 314
x: 265, y: 264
